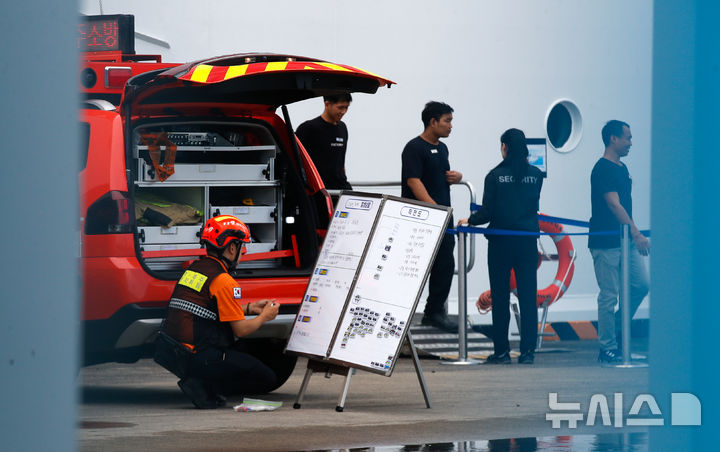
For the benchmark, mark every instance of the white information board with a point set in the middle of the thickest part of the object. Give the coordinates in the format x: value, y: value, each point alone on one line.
x: 379, y: 262
x: 390, y: 280
x: 333, y: 275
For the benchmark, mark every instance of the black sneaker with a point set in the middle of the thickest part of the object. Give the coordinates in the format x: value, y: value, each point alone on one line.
x: 609, y: 356
x: 527, y: 358
x: 195, y: 390
x: 502, y: 358
x: 440, y: 321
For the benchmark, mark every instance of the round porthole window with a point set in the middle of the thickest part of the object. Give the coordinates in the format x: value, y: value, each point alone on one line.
x: 563, y: 125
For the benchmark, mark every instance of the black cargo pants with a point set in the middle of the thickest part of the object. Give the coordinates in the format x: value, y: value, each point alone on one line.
x: 249, y: 366
x: 518, y: 253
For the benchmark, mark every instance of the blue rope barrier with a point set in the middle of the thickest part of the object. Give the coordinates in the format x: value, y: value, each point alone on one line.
x: 541, y: 217
x: 490, y: 231
x: 561, y: 220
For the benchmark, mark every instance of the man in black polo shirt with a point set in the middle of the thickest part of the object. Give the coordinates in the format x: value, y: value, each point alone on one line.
x: 325, y: 139
x: 426, y: 176
x: 611, y: 197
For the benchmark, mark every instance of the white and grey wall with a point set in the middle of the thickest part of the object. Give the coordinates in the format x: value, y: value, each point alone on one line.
x: 500, y: 64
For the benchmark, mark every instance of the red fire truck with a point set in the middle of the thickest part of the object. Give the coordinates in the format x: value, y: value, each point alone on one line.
x: 166, y: 146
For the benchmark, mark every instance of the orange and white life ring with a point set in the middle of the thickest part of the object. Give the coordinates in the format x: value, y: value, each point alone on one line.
x: 563, y: 277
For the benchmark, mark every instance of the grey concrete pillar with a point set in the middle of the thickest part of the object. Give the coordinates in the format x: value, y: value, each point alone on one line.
x: 39, y: 300
x: 685, y: 218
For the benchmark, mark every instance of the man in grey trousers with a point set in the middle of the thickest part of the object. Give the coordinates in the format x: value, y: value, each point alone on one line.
x: 611, y: 197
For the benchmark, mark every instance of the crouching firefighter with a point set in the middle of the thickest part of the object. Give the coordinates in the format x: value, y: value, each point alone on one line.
x: 205, y: 315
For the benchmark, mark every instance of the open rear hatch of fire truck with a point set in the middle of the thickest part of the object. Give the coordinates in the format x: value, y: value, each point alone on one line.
x: 204, y: 139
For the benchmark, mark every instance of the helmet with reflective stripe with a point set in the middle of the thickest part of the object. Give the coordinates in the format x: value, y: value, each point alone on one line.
x: 222, y: 230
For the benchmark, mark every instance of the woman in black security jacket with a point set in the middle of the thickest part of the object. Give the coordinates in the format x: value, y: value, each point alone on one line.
x: 510, y: 201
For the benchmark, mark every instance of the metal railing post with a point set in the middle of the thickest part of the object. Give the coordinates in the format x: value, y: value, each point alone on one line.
x: 625, y: 291
x: 471, y: 254
x: 625, y: 299
x: 462, y: 299
x: 462, y: 305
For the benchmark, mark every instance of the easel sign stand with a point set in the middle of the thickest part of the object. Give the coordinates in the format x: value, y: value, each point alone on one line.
x: 366, y: 284
x: 330, y: 369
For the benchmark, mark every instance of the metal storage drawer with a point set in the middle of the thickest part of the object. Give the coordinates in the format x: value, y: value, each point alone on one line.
x: 171, y: 247
x: 247, y: 214
x: 167, y: 264
x: 210, y: 172
x: 259, y: 247
x: 175, y: 234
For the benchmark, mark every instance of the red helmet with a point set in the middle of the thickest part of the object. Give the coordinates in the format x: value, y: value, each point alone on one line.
x: 222, y: 230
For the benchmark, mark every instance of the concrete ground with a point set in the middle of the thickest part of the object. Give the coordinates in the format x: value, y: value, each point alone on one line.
x: 139, y: 407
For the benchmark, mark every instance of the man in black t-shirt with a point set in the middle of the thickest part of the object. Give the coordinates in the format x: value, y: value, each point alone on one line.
x: 325, y: 139
x: 611, y: 197
x: 426, y: 176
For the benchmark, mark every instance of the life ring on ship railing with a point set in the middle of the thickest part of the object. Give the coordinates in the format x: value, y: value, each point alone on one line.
x: 563, y: 277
